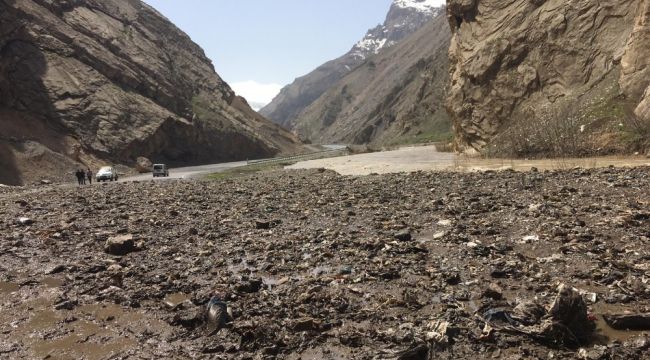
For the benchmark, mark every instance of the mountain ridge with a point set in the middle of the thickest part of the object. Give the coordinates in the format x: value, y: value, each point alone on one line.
x: 86, y: 82
x: 402, y: 19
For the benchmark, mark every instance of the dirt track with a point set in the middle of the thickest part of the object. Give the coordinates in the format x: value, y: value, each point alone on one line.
x: 314, y: 265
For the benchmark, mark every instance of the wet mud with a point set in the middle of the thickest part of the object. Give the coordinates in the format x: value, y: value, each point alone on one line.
x: 313, y: 265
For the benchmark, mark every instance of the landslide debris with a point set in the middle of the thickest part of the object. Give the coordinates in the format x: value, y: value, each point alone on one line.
x: 310, y: 264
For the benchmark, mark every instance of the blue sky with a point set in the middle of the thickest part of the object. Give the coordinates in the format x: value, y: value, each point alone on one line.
x: 260, y: 45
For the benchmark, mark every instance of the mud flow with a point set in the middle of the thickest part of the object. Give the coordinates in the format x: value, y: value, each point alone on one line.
x: 309, y: 264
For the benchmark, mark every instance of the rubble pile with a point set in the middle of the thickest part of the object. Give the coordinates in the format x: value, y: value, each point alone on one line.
x: 313, y: 265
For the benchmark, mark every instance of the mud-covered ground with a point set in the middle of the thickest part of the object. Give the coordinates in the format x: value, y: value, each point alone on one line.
x: 313, y: 265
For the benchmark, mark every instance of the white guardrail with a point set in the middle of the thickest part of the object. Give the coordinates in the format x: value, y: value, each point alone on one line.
x: 303, y: 157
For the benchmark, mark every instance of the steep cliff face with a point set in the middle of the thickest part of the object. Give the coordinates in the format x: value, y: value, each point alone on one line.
x: 90, y: 81
x: 511, y: 60
x: 403, y: 19
x: 395, y: 96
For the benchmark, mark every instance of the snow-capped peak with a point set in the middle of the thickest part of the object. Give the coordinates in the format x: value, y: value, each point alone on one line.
x: 420, y: 5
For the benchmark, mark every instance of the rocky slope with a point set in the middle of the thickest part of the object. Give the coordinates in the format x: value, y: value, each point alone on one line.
x: 394, y: 96
x: 89, y: 81
x: 515, y: 63
x: 404, y: 18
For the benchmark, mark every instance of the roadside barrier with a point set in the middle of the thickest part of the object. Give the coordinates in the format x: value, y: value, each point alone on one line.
x: 303, y: 157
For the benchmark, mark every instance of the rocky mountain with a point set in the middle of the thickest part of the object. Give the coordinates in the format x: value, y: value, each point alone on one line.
x: 85, y: 82
x: 522, y: 69
x: 393, y: 97
x: 404, y: 18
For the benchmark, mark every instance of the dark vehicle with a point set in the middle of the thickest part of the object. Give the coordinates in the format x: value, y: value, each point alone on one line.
x: 160, y: 170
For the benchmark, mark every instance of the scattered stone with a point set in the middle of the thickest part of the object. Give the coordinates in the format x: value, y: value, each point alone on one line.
x: 306, y: 324
x: 494, y: 291
x: 216, y: 314
x: 66, y: 305
x: 403, y: 235
x: 249, y: 285
x: 24, y: 221
x: 266, y: 224
x: 120, y: 245
x: 190, y: 318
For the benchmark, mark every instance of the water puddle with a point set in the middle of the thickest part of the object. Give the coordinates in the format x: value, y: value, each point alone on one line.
x: 52, y: 282
x: 605, y: 334
x: 427, y: 158
x: 102, y: 312
x: 8, y: 287
x: 173, y: 300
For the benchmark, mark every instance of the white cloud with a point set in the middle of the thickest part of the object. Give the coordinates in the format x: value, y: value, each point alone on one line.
x: 258, y: 95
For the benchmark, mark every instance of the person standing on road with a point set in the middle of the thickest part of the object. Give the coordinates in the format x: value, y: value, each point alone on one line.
x: 80, y: 175
x: 89, y: 175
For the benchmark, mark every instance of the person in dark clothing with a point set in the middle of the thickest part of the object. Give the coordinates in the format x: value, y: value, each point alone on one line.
x: 80, y: 176
x: 89, y: 175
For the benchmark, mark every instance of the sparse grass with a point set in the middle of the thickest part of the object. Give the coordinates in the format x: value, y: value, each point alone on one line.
x: 247, y: 170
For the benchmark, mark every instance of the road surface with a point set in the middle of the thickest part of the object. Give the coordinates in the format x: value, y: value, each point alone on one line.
x: 188, y: 172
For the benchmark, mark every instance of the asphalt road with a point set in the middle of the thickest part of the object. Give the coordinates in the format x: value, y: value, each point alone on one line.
x: 187, y: 172
x: 197, y: 171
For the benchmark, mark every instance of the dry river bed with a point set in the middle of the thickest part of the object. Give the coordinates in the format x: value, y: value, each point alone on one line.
x: 308, y: 264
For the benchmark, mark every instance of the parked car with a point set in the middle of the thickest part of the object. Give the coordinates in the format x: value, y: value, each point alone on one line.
x: 106, y: 173
x: 160, y: 170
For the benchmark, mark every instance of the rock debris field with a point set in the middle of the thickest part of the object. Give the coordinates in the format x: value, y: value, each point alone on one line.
x: 313, y: 265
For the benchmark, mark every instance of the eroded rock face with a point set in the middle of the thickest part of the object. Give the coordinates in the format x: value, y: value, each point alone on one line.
x: 98, y: 81
x: 509, y: 59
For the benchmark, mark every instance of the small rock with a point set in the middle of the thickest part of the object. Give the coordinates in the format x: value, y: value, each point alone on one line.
x: 24, y: 221
x: 120, y: 245
x: 56, y: 269
x: 266, y: 224
x: 345, y: 270
x: 66, y: 305
x: 45, y: 182
x: 188, y: 318
x: 404, y: 235
x: 217, y: 314
x: 494, y: 291
x: 249, y: 285
x: 306, y: 324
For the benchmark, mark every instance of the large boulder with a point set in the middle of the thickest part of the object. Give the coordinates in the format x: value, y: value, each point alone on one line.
x: 143, y: 165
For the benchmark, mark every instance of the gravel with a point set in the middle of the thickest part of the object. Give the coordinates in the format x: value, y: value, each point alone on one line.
x: 311, y: 264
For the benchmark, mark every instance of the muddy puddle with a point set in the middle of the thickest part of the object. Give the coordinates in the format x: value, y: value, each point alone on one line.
x: 174, y: 300
x: 52, y: 282
x: 8, y: 287
x: 605, y: 334
x: 427, y: 158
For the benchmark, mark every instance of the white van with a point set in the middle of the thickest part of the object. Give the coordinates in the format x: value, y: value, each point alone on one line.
x: 106, y: 173
x: 160, y: 170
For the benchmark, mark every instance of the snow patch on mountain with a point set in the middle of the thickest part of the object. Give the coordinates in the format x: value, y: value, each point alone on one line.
x: 405, y: 17
x: 429, y: 6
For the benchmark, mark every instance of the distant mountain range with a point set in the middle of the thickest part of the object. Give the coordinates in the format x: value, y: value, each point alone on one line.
x: 404, y: 19
x: 393, y: 97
